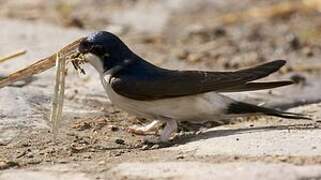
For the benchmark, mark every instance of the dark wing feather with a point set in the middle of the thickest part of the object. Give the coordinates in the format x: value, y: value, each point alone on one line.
x: 252, y: 86
x: 152, y: 84
x: 245, y: 108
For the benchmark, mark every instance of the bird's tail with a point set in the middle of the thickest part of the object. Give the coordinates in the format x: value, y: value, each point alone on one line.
x: 245, y: 108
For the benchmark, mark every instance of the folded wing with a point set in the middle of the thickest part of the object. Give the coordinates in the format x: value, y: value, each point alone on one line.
x: 160, y: 83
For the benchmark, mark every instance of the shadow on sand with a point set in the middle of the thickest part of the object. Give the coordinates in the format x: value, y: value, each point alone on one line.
x: 227, y: 132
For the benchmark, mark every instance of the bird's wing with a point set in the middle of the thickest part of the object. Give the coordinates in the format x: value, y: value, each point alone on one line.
x: 253, y: 86
x: 168, y: 84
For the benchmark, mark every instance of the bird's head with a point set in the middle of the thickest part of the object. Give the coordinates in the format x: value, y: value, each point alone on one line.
x: 104, y: 51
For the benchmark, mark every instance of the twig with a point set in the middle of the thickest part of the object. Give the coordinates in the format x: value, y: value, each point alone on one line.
x: 39, y: 66
x: 58, y: 97
x: 16, y: 54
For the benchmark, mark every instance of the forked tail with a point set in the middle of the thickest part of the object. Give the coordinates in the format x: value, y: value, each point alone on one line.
x: 245, y: 108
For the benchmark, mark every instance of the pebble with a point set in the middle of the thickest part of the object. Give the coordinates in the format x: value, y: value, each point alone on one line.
x: 219, y: 32
x: 119, y: 141
x: 155, y: 146
x: 30, y: 156
x: 101, y: 162
x: 145, y: 147
x: 113, y: 128
x: 119, y: 153
x: 180, y: 157
x: 195, y: 57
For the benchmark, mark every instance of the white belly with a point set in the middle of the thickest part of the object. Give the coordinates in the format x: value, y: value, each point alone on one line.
x: 202, y: 107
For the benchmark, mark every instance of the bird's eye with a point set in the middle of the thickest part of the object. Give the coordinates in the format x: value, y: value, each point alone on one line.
x: 84, y: 46
x: 99, y: 50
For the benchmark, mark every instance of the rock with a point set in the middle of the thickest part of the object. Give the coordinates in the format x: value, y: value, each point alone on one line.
x: 113, y: 128
x: 179, y: 157
x: 119, y: 141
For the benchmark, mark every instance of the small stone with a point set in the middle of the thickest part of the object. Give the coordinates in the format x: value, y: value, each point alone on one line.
x: 155, y: 146
x: 283, y: 158
x: 87, y: 156
x: 138, y: 145
x: 113, y: 128
x: 119, y: 141
x: 119, y: 153
x: 196, y: 57
x: 219, y: 32
x: 145, y: 147
x: 26, y: 144
x: 180, y: 157
x: 101, y: 162
x: 62, y: 161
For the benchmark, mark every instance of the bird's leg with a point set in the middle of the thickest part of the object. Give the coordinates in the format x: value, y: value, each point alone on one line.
x: 143, y: 130
x: 171, y: 126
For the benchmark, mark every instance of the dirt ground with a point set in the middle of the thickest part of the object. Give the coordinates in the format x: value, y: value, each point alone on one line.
x: 205, y: 35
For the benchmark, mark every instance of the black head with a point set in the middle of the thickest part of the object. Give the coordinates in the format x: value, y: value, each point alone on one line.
x: 110, y: 50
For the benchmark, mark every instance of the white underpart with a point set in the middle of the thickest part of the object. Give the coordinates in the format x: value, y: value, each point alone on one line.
x: 197, y: 108
x: 95, y: 62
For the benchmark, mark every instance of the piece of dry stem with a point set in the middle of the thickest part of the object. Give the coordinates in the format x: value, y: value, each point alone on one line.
x: 58, y: 97
x: 11, y: 56
x: 42, y: 65
x: 67, y: 54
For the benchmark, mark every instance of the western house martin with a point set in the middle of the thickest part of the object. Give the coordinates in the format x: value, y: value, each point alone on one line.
x: 169, y: 96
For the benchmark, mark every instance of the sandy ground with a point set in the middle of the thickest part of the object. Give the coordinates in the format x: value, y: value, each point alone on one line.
x: 93, y: 141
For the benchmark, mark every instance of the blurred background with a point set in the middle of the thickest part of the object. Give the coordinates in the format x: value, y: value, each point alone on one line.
x: 201, y: 33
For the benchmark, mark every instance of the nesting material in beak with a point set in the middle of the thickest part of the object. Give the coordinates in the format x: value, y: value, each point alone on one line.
x: 66, y: 54
x: 42, y: 65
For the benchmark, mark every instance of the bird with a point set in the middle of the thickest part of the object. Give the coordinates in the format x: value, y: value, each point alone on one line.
x: 168, y: 96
